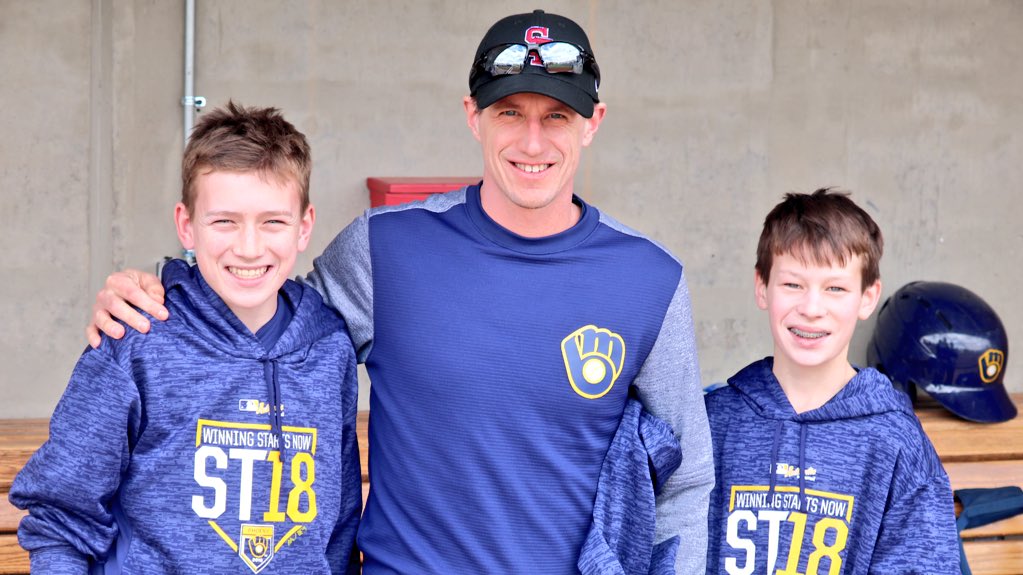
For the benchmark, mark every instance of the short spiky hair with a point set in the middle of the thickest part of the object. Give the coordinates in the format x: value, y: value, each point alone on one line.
x: 825, y: 227
x: 239, y: 139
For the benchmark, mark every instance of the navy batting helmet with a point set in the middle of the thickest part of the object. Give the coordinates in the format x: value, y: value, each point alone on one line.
x: 944, y: 339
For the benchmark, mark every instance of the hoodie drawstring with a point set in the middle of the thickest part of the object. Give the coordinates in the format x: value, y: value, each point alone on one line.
x: 775, y: 447
x: 273, y: 388
x: 802, y: 467
x: 774, y: 459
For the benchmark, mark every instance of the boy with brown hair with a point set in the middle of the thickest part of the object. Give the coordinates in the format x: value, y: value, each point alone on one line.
x: 215, y: 444
x: 822, y: 467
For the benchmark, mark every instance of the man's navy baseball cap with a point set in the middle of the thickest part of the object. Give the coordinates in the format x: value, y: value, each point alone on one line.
x: 577, y: 90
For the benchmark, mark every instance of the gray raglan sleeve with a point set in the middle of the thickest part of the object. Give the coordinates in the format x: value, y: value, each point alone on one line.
x: 343, y: 274
x: 669, y: 388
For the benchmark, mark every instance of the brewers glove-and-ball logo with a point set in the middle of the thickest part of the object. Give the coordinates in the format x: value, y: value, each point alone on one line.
x: 593, y: 359
x: 990, y: 364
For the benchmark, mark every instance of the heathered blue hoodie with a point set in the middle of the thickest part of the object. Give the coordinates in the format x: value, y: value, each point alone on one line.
x: 168, y: 444
x: 853, y: 486
x: 643, y: 455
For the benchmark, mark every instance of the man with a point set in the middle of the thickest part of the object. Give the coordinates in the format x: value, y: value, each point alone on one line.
x: 504, y: 327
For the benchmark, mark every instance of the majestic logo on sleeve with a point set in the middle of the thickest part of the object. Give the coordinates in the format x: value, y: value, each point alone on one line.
x: 593, y: 359
x: 234, y: 464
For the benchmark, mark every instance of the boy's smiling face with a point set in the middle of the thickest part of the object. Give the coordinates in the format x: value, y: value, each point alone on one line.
x: 246, y: 232
x: 813, y: 310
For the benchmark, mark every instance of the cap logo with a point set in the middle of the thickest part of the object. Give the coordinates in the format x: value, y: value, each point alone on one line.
x: 536, y: 35
x: 990, y: 363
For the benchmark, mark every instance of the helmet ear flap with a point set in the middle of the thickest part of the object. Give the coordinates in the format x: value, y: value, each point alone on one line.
x: 946, y: 339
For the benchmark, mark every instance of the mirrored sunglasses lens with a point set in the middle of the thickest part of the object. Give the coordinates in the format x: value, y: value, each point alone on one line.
x: 509, y: 60
x: 561, y: 57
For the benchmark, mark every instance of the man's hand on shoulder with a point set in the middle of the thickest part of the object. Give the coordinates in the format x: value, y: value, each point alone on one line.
x: 122, y: 291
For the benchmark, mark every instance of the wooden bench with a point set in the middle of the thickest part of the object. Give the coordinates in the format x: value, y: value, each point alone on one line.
x: 974, y: 455
x: 19, y: 438
x: 982, y: 455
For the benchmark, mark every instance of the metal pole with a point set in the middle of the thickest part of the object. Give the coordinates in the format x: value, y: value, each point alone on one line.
x: 190, y: 101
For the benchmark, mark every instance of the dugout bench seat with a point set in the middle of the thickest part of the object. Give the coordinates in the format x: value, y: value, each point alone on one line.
x: 974, y: 455
x: 982, y: 455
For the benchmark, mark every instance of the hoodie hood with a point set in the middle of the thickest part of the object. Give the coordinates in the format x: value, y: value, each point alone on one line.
x: 869, y: 392
x: 211, y: 319
x: 207, y: 316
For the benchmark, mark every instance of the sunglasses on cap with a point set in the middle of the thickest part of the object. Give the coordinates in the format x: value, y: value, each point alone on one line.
x: 556, y: 57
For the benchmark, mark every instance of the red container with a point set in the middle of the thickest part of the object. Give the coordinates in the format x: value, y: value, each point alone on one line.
x: 394, y: 191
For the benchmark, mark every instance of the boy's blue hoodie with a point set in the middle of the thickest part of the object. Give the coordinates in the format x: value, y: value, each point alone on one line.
x: 853, y: 486
x: 168, y: 444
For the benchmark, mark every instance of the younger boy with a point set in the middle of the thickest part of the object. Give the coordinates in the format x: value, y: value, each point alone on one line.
x: 822, y: 467
x: 215, y: 444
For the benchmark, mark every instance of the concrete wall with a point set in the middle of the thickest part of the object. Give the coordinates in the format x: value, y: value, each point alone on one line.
x: 716, y: 108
